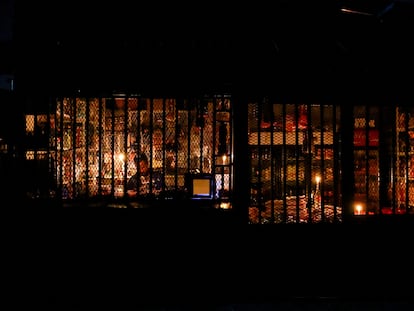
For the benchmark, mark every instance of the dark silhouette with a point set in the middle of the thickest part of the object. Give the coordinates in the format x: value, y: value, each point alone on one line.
x: 144, y: 180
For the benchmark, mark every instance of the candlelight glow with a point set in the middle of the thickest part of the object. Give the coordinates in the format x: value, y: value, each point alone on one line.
x: 358, y: 209
x: 318, y: 179
x: 121, y: 157
x: 225, y: 205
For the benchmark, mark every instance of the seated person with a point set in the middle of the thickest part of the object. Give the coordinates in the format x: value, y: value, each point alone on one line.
x: 140, y: 182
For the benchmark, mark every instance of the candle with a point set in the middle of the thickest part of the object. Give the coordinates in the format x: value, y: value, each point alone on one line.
x: 358, y: 209
x: 318, y: 180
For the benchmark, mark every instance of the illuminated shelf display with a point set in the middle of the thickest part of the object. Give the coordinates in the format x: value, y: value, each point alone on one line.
x: 94, y: 144
x: 294, y: 164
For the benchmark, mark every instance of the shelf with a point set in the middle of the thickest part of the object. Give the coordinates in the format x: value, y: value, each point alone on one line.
x: 265, y: 138
x: 403, y: 153
x: 290, y: 138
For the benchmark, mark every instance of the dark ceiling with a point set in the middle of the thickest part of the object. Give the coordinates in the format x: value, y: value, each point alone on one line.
x: 312, y: 45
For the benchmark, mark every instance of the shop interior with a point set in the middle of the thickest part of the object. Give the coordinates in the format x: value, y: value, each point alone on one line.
x: 92, y: 144
x: 297, y: 165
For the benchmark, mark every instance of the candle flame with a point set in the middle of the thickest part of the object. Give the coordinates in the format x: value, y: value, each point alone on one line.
x: 358, y: 209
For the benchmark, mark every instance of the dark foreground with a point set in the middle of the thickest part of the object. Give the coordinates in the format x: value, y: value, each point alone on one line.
x: 123, y: 258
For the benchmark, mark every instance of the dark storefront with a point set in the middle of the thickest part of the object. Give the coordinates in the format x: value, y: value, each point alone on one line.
x: 296, y: 160
x: 272, y: 128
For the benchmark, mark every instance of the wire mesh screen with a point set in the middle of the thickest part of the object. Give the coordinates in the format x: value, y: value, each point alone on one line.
x: 126, y: 147
x: 39, y: 167
x: 294, y: 151
x: 404, y: 164
x: 366, y: 160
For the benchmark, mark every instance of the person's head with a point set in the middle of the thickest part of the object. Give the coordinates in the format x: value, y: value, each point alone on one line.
x: 142, y: 164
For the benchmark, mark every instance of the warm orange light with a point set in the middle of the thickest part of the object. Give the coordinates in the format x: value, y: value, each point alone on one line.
x: 358, y: 209
x: 30, y: 123
x: 318, y: 181
x: 121, y: 157
x: 225, y: 205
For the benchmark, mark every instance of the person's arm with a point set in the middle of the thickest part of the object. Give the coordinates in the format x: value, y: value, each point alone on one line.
x: 132, y: 193
x: 132, y: 186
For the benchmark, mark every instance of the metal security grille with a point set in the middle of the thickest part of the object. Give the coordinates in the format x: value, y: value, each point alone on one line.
x: 366, y: 148
x: 403, y: 201
x: 295, y: 163
x: 39, y: 167
x: 383, y: 144
x: 93, y: 145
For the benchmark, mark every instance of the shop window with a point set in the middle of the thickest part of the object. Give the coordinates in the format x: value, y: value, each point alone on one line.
x: 294, y: 151
x: 383, y: 163
x: 95, y: 145
x: 366, y: 148
x: 404, y: 162
x: 39, y: 180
